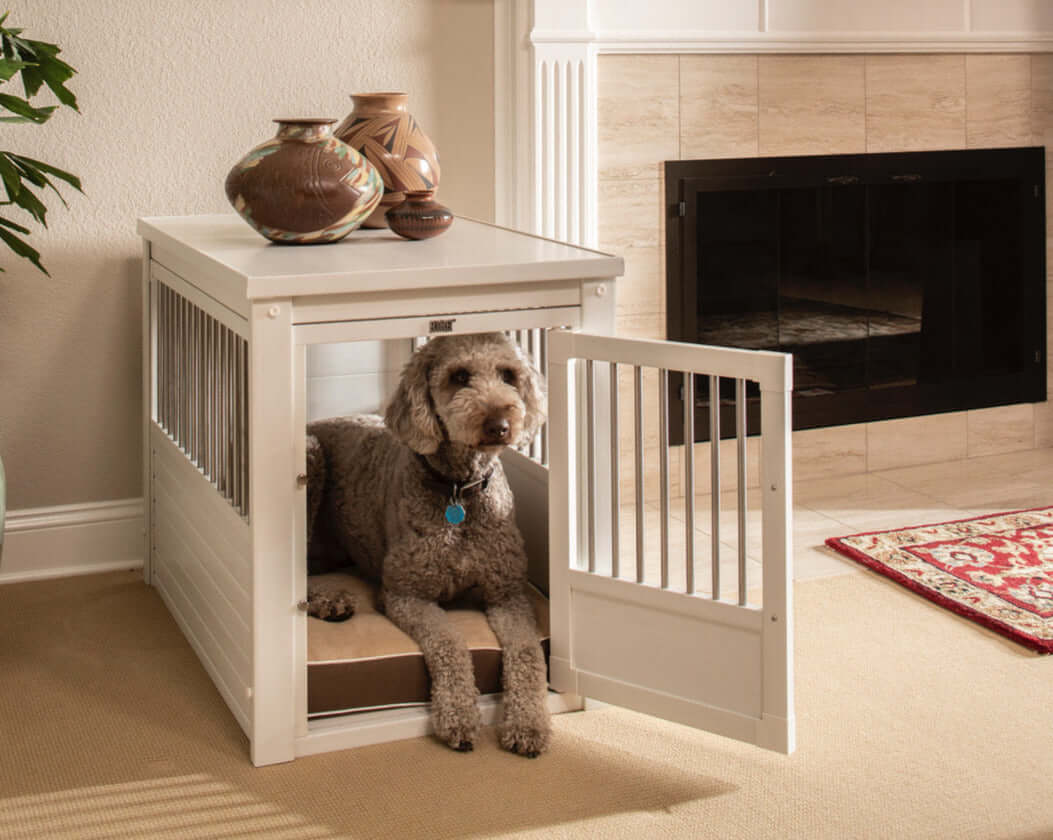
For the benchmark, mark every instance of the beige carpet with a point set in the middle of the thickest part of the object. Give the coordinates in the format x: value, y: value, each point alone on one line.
x: 913, y: 723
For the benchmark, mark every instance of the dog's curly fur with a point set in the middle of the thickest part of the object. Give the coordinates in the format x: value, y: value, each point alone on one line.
x: 373, y: 502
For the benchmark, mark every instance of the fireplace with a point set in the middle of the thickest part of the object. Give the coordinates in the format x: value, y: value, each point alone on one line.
x: 903, y: 284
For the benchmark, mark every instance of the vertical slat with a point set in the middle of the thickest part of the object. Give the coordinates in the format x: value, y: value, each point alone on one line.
x: 229, y: 419
x: 162, y: 379
x: 740, y: 441
x: 235, y: 399
x: 209, y: 391
x: 714, y: 480
x: 223, y: 385
x: 195, y: 389
x: 638, y: 456
x: 663, y: 471
x: 184, y: 392
x: 246, y: 462
x: 776, y: 539
x: 543, y: 367
x: 615, y: 476
x: 689, y: 480
x: 590, y: 456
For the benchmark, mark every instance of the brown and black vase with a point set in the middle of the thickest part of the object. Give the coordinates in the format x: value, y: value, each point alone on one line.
x: 420, y: 216
x: 381, y: 127
x: 304, y: 186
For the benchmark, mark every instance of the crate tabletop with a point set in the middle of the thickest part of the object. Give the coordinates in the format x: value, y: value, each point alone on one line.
x: 471, y: 253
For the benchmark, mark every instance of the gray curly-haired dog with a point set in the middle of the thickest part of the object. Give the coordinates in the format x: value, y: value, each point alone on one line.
x: 418, y: 502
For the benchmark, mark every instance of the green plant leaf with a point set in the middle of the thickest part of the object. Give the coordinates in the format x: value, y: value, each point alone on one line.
x: 22, y: 248
x: 40, y: 167
x: 23, y: 109
x: 8, y: 223
x: 56, y: 73
x: 8, y: 68
x: 11, y: 176
x: 28, y: 201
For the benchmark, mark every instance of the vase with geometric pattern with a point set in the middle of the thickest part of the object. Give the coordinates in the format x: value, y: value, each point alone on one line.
x: 381, y: 127
x: 304, y: 186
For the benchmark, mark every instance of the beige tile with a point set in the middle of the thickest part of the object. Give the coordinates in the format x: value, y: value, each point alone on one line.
x: 811, y: 105
x: 703, y: 458
x: 718, y: 106
x: 629, y: 226
x: 641, y: 325
x: 1043, y: 425
x: 1042, y: 100
x: 637, y: 114
x: 998, y: 100
x: 834, y: 451
x: 915, y: 102
x: 916, y: 440
x: 1007, y: 428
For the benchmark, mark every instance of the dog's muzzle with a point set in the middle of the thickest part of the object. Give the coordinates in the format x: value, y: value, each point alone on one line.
x: 496, y: 431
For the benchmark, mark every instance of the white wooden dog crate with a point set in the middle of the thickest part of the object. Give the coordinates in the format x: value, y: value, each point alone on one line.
x: 229, y: 325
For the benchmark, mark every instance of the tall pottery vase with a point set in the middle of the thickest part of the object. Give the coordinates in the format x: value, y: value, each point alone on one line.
x: 381, y: 127
x: 304, y: 186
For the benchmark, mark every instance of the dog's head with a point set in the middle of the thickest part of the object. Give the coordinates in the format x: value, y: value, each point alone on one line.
x: 477, y: 390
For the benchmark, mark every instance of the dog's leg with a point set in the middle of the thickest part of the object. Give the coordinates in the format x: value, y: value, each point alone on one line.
x: 454, y: 713
x: 526, y: 728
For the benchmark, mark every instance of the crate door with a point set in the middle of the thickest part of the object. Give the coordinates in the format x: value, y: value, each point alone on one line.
x: 642, y: 614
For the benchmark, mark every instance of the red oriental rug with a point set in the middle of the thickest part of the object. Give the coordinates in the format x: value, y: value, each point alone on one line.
x: 996, y: 570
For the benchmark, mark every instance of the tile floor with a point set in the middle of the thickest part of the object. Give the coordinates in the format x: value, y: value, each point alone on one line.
x: 833, y: 507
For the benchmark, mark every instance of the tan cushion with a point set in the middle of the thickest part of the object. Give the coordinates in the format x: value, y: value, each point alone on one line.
x: 368, y: 663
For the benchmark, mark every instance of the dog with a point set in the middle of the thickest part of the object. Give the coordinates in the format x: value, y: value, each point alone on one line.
x: 418, y: 502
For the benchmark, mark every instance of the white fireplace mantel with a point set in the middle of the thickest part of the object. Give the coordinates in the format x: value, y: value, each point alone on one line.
x: 545, y: 71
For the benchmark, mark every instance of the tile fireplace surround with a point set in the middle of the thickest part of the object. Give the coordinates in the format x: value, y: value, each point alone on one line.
x: 606, y: 92
x: 653, y: 108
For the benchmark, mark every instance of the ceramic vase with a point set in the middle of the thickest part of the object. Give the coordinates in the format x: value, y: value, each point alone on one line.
x: 381, y: 127
x: 420, y: 216
x: 304, y: 186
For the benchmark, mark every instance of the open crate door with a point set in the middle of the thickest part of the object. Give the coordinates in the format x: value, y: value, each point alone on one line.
x: 662, y: 647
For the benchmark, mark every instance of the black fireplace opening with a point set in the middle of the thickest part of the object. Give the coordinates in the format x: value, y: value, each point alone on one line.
x: 903, y: 284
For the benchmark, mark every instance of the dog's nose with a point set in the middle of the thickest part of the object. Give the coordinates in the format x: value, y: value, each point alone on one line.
x: 496, y: 429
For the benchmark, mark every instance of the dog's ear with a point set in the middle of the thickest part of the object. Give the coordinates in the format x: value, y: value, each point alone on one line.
x: 410, y: 415
x: 535, y: 400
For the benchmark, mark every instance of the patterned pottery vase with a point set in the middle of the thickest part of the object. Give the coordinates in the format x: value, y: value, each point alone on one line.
x: 304, y: 186
x: 381, y: 127
x: 420, y: 216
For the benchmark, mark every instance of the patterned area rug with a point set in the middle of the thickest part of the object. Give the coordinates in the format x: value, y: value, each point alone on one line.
x: 996, y: 570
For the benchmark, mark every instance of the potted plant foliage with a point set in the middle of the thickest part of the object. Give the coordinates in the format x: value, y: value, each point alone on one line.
x: 25, y: 179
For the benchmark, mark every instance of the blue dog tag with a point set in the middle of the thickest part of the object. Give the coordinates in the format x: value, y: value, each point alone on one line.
x: 455, y: 514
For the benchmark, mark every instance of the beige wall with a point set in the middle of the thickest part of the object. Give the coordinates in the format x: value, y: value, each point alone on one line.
x: 172, y: 94
x: 667, y: 107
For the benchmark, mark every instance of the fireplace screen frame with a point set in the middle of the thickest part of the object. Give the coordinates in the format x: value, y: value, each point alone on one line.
x: 686, y: 180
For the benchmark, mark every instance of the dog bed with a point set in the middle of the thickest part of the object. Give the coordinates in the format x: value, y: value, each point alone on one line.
x: 367, y: 663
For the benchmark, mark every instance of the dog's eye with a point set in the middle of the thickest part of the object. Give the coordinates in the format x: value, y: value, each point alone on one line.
x: 508, y: 375
x: 460, y: 377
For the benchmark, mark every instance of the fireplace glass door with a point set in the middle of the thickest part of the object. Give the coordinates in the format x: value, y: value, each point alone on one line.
x: 902, y: 284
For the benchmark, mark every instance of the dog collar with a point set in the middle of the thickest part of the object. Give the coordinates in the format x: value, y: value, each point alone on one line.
x: 454, y: 491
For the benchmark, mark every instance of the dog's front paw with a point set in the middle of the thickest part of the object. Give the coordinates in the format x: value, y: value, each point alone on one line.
x: 529, y: 740
x: 330, y: 605
x: 458, y: 727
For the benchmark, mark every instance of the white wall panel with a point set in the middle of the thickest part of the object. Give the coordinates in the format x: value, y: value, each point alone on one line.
x: 356, y: 357
x: 336, y: 396
x: 1012, y: 15
x: 855, y: 17
x: 697, y: 15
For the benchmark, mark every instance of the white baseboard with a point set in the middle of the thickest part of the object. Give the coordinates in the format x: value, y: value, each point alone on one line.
x: 66, y: 540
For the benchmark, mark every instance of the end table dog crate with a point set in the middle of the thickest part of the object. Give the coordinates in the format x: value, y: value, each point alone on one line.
x: 234, y: 331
